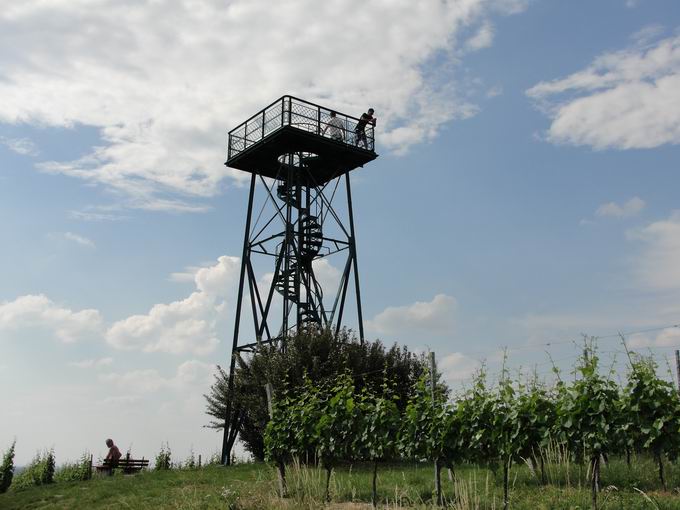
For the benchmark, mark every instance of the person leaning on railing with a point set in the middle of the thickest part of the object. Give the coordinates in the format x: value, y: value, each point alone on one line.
x: 335, y: 128
x: 360, y: 129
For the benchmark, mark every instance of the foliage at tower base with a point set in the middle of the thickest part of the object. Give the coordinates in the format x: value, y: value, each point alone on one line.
x: 318, y: 354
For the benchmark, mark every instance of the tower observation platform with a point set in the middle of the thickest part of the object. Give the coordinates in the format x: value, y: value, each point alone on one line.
x: 292, y: 125
x: 299, y: 156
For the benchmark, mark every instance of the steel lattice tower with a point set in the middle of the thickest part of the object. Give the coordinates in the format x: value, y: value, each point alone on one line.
x: 299, y: 155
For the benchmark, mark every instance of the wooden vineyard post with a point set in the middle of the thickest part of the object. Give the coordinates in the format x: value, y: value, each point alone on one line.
x: 280, y: 467
x: 677, y: 367
x: 437, y: 470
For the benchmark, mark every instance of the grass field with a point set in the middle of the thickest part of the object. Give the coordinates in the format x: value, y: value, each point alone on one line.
x: 253, y: 486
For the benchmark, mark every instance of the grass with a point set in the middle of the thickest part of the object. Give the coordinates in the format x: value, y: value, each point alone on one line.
x: 253, y: 486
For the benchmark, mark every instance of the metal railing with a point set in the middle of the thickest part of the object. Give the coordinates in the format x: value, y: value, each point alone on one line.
x: 302, y: 115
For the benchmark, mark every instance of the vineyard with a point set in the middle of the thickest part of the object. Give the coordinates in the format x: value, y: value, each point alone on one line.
x: 584, y: 422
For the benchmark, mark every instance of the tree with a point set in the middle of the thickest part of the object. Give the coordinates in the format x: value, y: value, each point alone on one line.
x: 317, y: 353
x: 7, y: 468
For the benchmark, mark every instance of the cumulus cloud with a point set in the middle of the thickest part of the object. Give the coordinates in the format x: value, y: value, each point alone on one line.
x: 669, y: 337
x: 658, y: 264
x: 436, y: 316
x: 327, y: 274
x: 457, y: 367
x: 191, y: 373
x: 630, y: 208
x: 624, y: 100
x: 37, y: 311
x: 163, y: 82
x: 187, y: 325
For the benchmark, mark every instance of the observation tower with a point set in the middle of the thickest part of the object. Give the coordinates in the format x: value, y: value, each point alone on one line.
x: 299, y: 156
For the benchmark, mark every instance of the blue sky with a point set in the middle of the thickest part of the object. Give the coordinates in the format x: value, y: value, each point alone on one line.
x: 526, y: 191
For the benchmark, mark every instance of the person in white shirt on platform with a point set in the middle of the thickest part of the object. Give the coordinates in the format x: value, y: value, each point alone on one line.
x: 335, y: 128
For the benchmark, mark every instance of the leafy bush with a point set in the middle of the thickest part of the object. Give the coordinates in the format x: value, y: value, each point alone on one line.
x: 379, y: 429
x: 7, y: 468
x: 75, y: 471
x: 585, y: 420
x: 163, y: 459
x: 423, y: 432
x: 338, y: 425
x: 654, y: 412
x: 214, y: 459
x: 190, y: 462
x: 586, y: 411
x: 39, y: 472
x: 318, y: 354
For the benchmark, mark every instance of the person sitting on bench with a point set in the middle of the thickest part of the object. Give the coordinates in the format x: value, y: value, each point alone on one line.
x: 114, y: 454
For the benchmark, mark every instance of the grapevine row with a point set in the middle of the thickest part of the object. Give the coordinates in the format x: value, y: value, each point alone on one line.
x: 589, y: 418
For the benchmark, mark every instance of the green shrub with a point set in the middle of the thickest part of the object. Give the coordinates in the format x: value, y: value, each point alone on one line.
x: 163, y: 459
x: 190, y: 462
x: 320, y: 355
x: 75, y: 471
x: 39, y: 472
x: 214, y: 460
x: 7, y: 469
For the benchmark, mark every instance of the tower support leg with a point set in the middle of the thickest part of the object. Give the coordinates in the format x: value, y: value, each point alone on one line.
x: 231, y: 423
x: 353, y: 252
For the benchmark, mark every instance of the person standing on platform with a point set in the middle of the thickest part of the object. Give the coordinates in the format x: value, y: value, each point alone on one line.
x: 360, y: 130
x: 335, y: 128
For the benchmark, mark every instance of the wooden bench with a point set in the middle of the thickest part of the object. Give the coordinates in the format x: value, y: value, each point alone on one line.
x: 127, y: 465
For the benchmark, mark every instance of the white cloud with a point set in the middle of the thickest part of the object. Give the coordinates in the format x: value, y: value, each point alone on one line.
x: 631, y: 208
x: 457, y: 367
x: 187, y: 325
x: 669, y: 337
x: 82, y: 241
x: 327, y: 274
x: 436, y: 316
x: 658, y: 265
x: 163, y: 82
x: 92, y: 363
x: 95, y: 216
x: 189, y: 374
x: 625, y: 100
x: 38, y: 311
x: 23, y: 146
x: 483, y: 38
